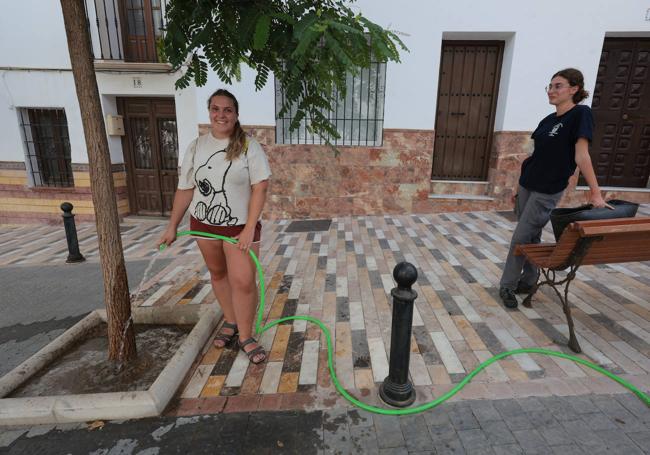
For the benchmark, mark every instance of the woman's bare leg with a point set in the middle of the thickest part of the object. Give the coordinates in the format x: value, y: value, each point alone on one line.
x: 215, y: 259
x: 241, y: 276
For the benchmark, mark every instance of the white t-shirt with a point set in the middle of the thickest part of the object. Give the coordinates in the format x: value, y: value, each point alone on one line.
x: 222, y: 188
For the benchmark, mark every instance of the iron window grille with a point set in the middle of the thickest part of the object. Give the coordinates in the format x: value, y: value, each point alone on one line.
x: 47, y: 146
x: 127, y: 30
x: 358, y: 117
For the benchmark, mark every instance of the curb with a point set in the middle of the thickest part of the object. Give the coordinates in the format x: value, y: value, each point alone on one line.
x: 115, y: 405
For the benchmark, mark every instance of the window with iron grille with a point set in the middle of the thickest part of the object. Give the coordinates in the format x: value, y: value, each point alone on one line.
x: 47, y: 146
x: 128, y: 30
x: 358, y: 117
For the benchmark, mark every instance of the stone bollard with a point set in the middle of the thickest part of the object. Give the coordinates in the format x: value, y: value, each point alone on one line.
x: 397, y: 390
x: 71, y: 234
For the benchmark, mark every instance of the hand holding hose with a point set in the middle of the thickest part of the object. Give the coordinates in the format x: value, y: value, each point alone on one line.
x: 245, y: 238
x: 167, y: 237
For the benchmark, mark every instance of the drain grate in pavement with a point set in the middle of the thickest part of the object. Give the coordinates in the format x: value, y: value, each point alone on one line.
x: 308, y: 226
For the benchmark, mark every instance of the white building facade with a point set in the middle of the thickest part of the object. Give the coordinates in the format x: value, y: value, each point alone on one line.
x: 445, y: 129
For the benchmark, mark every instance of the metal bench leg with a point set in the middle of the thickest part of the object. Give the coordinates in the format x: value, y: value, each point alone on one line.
x: 572, y: 262
x: 549, y: 276
x: 566, y: 306
x: 527, y: 302
x: 573, y: 341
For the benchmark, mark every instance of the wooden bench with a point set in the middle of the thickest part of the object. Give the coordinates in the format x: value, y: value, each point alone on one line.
x: 586, y: 243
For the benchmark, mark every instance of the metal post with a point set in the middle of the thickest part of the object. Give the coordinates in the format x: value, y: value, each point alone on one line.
x: 71, y: 234
x: 397, y: 390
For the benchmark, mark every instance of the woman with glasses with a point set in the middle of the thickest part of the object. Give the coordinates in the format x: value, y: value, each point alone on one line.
x: 561, y: 144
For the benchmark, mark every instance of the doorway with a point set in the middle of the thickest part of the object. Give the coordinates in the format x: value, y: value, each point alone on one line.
x: 467, y: 95
x: 150, y: 147
x: 620, y: 150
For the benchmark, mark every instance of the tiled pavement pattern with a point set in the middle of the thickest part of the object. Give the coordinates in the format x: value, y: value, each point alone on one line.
x: 34, y: 244
x: 587, y: 424
x: 343, y: 276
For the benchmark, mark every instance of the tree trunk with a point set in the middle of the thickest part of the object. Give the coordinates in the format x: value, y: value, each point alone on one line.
x: 121, y: 342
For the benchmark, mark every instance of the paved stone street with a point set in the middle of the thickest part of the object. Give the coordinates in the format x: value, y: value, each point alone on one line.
x: 341, y: 273
x: 589, y: 424
x: 42, y: 296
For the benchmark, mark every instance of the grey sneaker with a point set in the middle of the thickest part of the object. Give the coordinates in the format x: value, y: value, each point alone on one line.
x: 508, y: 297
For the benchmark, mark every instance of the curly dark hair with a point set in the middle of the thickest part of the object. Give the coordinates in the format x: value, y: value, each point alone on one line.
x: 575, y: 78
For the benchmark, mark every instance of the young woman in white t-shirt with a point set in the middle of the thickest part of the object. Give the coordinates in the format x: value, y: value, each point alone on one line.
x: 223, y: 181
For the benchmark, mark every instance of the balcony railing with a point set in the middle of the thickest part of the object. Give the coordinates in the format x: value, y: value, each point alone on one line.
x: 125, y: 30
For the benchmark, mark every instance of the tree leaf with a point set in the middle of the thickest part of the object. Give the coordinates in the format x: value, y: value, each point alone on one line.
x: 309, y: 45
x: 262, y: 31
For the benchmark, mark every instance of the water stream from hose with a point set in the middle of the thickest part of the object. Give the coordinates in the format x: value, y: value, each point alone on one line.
x: 133, y: 297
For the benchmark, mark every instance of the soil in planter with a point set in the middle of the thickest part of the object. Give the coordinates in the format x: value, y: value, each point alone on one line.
x: 85, y: 368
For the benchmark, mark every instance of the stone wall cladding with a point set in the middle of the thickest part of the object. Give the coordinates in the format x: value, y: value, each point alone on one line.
x: 311, y: 181
x: 510, y: 148
x: 574, y: 197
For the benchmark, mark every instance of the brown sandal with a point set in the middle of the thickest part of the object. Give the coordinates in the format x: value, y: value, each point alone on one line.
x: 259, y: 350
x: 226, y: 338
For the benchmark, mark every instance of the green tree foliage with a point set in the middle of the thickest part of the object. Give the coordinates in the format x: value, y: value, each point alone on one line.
x: 309, y: 45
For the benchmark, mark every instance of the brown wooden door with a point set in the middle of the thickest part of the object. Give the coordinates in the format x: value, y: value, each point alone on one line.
x: 151, y: 151
x: 467, y: 95
x: 141, y: 27
x: 620, y: 150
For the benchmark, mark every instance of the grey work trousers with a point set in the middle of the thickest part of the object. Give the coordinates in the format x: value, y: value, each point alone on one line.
x: 533, y: 211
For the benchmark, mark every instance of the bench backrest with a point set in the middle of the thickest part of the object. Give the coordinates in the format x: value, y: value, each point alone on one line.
x: 616, y: 240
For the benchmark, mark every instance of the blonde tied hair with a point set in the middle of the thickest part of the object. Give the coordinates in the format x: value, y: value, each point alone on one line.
x: 238, y: 143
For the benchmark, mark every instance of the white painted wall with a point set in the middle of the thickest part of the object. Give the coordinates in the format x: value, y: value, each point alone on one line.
x: 112, y: 84
x: 545, y: 37
x: 540, y: 37
x: 55, y: 89
x: 109, y: 106
x: 38, y: 89
x: 255, y: 108
x: 32, y: 35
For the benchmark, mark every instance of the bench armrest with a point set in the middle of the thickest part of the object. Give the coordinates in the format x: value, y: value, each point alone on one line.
x: 591, y: 231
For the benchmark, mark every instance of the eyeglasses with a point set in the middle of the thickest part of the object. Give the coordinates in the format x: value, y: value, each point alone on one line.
x: 556, y: 87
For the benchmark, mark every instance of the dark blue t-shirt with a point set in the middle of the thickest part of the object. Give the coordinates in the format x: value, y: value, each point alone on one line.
x: 548, y: 169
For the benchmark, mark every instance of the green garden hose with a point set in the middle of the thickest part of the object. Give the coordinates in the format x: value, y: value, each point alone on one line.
x: 330, y: 361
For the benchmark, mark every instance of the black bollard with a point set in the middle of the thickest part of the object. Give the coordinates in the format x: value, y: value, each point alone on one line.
x: 71, y: 234
x: 397, y: 390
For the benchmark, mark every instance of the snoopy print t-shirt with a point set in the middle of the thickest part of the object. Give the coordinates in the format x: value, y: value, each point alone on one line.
x: 222, y: 188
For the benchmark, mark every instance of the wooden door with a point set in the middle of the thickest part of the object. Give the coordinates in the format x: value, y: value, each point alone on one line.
x: 151, y: 150
x: 467, y: 95
x: 168, y: 143
x: 620, y: 150
x: 141, y: 26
